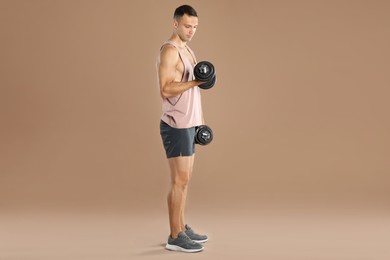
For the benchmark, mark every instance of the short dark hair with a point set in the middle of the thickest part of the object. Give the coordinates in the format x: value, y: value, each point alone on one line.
x: 184, y: 9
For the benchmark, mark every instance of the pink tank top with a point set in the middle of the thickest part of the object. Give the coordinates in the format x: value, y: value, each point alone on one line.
x: 184, y: 110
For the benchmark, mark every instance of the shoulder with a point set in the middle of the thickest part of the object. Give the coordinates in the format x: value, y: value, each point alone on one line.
x: 169, y: 49
x: 169, y: 53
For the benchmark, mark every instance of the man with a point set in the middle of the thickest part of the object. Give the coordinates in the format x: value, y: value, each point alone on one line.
x: 182, y: 112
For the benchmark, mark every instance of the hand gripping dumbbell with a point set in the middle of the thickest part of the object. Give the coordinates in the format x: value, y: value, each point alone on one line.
x: 205, y: 71
x: 203, y: 135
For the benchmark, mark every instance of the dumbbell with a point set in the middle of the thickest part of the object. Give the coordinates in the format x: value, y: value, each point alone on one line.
x: 203, y: 135
x: 205, y: 71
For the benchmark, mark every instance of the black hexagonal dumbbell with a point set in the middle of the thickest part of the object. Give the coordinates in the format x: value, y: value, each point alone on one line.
x: 203, y: 135
x: 205, y: 71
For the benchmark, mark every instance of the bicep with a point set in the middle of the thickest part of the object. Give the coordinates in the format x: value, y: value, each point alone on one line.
x: 167, y: 68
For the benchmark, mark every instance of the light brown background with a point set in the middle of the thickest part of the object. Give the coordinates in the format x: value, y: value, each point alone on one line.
x: 300, y: 110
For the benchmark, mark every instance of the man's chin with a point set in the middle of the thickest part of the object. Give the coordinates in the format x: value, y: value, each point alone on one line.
x: 186, y: 39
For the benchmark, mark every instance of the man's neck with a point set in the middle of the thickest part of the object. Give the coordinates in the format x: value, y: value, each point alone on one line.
x: 176, y: 39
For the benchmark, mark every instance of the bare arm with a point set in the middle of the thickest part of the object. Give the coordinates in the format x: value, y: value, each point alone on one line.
x: 169, y: 79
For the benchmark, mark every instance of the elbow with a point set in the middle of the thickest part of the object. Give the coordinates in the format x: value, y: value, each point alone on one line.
x: 164, y: 93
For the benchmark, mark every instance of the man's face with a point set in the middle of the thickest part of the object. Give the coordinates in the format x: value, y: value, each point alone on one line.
x: 186, y: 27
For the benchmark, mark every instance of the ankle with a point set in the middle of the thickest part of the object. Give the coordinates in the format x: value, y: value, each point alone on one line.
x: 174, y: 235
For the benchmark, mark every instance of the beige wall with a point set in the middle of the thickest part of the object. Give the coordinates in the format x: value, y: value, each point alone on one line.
x: 300, y: 110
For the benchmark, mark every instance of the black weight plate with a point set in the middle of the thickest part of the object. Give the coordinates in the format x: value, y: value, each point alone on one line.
x: 209, y: 84
x: 204, y: 135
x: 204, y: 71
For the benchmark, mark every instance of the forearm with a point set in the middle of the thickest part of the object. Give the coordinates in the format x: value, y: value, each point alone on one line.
x: 176, y: 88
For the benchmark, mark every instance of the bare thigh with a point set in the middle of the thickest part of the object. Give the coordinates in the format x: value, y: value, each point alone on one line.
x: 181, y: 167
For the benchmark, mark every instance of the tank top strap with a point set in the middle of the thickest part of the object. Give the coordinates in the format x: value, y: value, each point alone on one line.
x: 183, y: 56
x: 174, y: 45
x: 192, y: 54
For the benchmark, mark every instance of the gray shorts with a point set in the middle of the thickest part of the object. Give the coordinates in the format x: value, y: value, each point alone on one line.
x: 177, y: 141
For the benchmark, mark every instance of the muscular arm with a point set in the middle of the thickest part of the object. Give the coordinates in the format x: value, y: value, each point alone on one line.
x: 169, y: 78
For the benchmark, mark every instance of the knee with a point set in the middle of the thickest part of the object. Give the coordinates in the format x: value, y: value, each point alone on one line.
x: 181, y: 180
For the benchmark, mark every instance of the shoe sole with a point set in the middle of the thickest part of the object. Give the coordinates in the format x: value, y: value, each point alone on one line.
x: 200, y: 241
x: 178, y: 248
